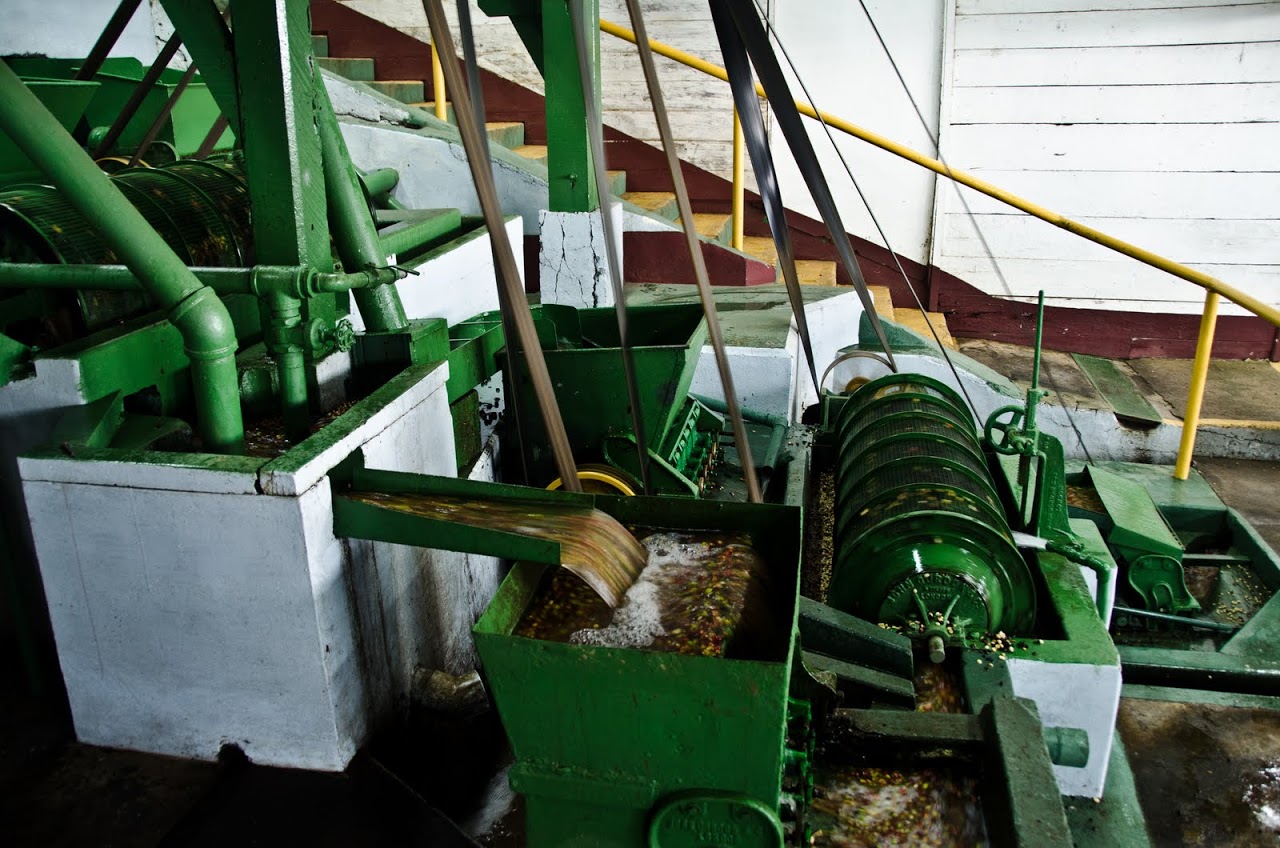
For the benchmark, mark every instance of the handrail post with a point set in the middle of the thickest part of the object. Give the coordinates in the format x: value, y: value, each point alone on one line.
x: 739, y: 181
x: 438, y: 86
x: 1199, y: 377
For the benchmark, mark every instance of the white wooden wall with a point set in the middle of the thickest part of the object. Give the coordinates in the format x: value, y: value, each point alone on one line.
x: 1155, y: 120
x: 838, y: 56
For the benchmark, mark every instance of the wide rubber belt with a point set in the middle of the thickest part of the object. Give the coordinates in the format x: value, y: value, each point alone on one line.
x: 595, y: 137
x: 511, y: 296
x: 757, y: 142
x: 756, y: 43
x: 476, y: 92
x: 714, y: 334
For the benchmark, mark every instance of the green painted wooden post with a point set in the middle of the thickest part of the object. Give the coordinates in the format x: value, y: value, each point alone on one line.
x: 281, y: 143
x: 570, y: 178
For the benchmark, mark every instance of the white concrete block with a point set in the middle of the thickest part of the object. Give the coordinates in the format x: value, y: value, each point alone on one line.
x: 177, y: 636
x: 187, y: 619
x: 296, y: 481
x: 833, y: 325
x: 763, y: 377
x: 460, y: 283
x: 573, y: 265
x: 1074, y: 695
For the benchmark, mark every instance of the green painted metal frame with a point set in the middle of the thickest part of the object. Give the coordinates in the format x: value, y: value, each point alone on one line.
x: 203, y: 320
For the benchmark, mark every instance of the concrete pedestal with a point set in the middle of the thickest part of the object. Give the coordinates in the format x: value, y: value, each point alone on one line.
x: 200, y: 601
x: 573, y: 267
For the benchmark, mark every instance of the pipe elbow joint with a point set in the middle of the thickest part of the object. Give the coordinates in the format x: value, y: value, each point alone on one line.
x: 208, y: 333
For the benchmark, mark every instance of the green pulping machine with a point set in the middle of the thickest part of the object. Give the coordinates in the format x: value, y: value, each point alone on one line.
x: 581, y: 350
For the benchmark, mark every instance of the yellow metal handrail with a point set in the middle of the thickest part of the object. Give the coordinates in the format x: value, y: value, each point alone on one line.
x: 1216, y: 288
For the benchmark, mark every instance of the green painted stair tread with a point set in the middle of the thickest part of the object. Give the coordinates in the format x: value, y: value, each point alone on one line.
x: 430, y: 106
x: 617, y: 183
x: 406, y: 91
x: 1129, y: 404
x: 320, y: 46
x: 509, y: 134
x: 360, y: 69
x: 1138, y: 523
x: 878, y: 686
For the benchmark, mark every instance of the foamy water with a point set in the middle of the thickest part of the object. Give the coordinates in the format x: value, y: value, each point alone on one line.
x: 638, y: 621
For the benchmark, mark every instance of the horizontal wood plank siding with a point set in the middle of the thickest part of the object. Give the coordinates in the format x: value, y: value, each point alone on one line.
x: 1157, y: 122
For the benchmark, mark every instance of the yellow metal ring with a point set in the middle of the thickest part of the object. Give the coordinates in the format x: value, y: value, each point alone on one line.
x: 601, y: 474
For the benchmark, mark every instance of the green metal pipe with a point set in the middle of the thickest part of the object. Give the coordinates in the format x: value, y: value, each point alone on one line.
x: 351, y: 223
x: 207, y: 331
x: 380, y: 180
x: 284, y: 342
x: 256, y: 280
x: 413, y: 234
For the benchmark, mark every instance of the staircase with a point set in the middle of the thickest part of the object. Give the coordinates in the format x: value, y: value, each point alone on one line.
x: 518, y: 128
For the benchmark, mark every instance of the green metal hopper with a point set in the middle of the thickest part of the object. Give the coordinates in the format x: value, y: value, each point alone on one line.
x: 619, y: 747
x: 585, y: 364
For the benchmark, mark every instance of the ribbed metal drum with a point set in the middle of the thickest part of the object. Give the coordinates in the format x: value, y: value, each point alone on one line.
x: 921, y: 538
x: 201, y: 211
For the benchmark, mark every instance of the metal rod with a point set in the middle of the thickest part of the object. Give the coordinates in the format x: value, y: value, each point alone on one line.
x: 1268, y: 313
x: 139, y: 93
x: 354, y: 233
x: 739, y: 183
x: 474, y: 88
x: 107, y: 39
x: 222, y: 280
x: 207, y: 330
x: 595, y: 138
x: 165, y: 111
x: 438, y: 86
x: 514, y: 300
x: 1199, y: 377
x: 1198, y: 623
x: 380, y: 180
x: 211, y: 138
x: 714, y: 334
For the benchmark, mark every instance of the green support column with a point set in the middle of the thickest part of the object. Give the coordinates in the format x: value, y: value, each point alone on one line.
x: 281, y: 145
x: 570, y: 177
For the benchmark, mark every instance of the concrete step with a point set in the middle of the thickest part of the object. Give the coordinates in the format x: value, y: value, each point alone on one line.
x: 406, y: 91
x: 617, y: 183
x: 360, y: 70
x: 914, y: 319
x: 509, y: 134
x: 320, y: 45
x: 662, y: 203
x: 884, y: 302
x: 762, y: 248
x: 536, y: 152
x: 713, y: 226
x: 816, y: 272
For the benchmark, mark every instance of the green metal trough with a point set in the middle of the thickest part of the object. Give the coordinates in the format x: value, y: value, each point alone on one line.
x: 620, y: 747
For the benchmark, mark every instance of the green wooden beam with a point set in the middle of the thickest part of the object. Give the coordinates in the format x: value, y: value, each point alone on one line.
x: 570, y: 178
x: 205, y: 35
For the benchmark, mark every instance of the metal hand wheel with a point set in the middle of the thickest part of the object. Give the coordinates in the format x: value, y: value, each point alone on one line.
x: 1007, y: 429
